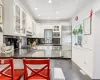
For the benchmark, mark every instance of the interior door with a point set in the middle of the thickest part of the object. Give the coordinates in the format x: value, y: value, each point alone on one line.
x: 48, y: 36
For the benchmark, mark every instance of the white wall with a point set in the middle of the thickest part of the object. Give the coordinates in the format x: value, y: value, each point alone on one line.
x: 96, y: 5
x: 84, y: 56
x: 1, y: 34
x: 96, y: 24
x: 88, y: 57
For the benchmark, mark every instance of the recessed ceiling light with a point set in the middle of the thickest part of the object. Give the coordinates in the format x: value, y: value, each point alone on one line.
x: 39, y: 15
x: 36, y: 8
x: 50, y: 1
x: 57, y: 12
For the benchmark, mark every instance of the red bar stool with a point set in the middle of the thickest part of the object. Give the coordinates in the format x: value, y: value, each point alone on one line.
x: 37, y: 74
x: 9, y: 73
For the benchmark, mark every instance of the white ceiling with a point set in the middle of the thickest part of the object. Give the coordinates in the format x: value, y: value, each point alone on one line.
x: 47, y: 11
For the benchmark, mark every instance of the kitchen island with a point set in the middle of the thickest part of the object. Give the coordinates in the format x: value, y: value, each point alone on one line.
x: 42, y: 51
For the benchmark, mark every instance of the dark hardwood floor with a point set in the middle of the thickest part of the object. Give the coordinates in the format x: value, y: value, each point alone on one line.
x: 70, y: 69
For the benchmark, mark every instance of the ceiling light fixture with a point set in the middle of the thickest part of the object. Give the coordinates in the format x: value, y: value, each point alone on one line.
x: 39, y: 15
x: 36, y: 8
x: 57, y: 12
x: 50, y: 1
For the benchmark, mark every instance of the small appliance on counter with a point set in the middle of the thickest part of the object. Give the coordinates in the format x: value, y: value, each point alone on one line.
x: 7, y: 49
x: 1, y: 29
x: 38, y: 41
x: 12, y: 40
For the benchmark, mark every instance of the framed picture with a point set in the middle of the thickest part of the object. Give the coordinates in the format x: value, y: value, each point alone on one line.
x: 87, y: 26
x: 1, y: 14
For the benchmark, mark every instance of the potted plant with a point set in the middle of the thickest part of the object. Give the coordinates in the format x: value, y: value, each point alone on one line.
x: 75, y: 32
x: 80, y: 31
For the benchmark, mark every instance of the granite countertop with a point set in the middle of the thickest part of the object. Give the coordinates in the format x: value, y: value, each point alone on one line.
x: 49, y: 45
x: 31, y: 53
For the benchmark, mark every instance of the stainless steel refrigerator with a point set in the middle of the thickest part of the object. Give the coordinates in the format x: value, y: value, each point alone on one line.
x: 66, y: 41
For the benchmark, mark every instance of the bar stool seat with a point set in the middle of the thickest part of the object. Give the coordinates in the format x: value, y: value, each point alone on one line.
x: 37, y: 77
x: 42, y: 73
x: 8, y: 72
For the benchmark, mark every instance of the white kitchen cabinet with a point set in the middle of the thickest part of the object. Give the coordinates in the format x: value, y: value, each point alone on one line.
x: 16, y: 19
x: 29, y: 25
x: 34, y: 29
x: 11, y: 18
x: 23, y: 23
x: 57, y: 31
x: 38, y: 30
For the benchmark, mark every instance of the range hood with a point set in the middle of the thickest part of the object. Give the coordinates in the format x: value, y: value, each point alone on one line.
x: 1, y: 29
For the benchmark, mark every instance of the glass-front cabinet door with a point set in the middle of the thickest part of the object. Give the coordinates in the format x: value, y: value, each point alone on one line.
x: 23, y: 30
x: 33, y: 28
x: 17, y: 18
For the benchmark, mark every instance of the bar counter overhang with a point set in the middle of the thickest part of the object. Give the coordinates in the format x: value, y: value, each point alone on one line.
x: 34, y: 54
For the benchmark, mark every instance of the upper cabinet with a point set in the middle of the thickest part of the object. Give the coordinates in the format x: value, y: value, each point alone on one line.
x: 34, y: 24
x: 23, y: 23
x: 33, y: 28
x: 11, y: 18
x: 17, y: 21
x: 39, y: 31
x: 56, y: 28
x: 57, y: 31
x: 17, y: 18
x: 29, y: 26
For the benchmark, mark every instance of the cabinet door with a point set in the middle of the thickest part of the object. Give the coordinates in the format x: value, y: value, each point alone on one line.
x: 38, y: 32
x: 17, y: 18
x: 29, y: 24
x: 23, y: 27
x: 56, y: 28
x: 33, y: 29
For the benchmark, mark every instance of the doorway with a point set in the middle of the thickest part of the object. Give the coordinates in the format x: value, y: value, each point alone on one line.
x: 48, y: 36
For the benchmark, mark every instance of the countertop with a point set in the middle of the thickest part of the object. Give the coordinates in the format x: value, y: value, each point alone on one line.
x: 33, y: 53
x: 49, y: 45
